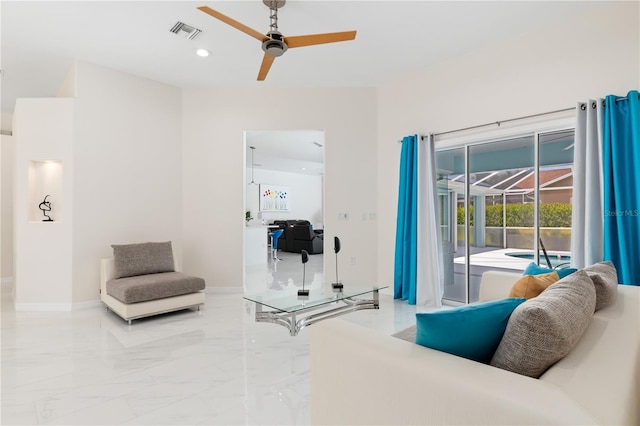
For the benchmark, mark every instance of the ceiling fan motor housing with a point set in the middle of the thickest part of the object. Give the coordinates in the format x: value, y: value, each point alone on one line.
x: 275, y: 46
x: 274, y: 4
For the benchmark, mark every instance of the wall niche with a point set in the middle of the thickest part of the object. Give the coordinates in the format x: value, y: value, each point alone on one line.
x: 45, y: 181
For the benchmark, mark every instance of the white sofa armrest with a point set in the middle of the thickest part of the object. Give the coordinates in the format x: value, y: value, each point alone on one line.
x: 359, y: 376
x: 107, y: 270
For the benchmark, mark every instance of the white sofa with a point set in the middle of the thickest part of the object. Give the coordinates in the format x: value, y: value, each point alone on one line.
x: 142, y: 280
x: 361, y: 376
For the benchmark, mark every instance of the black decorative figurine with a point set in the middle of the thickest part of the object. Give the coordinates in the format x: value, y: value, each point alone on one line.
x: 304, y: 294
x: 336, y: 248
x: 45, y: 206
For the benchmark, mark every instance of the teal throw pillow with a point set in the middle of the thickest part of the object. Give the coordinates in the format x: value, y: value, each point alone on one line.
x: 471, y: 331
x: 534, y: 269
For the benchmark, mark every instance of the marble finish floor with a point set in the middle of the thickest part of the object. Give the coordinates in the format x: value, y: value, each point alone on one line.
x: 213, y: 366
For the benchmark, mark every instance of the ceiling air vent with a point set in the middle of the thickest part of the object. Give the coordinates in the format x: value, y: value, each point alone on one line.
x: 186, y: 30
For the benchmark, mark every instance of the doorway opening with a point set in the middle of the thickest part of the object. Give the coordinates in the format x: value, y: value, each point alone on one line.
x: 284, y: 191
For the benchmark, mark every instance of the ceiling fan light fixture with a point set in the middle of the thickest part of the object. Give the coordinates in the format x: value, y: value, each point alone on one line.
x: 274, y: 46
x: 274, y: 4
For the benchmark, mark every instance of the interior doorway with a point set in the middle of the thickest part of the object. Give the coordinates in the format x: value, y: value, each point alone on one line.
x: 284, y: 190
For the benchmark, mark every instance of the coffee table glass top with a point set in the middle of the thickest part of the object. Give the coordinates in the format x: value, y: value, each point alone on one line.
x: 287, y: 299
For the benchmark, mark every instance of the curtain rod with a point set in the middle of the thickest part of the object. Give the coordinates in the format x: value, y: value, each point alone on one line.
x: 625, y: 98
x: 498, y: 122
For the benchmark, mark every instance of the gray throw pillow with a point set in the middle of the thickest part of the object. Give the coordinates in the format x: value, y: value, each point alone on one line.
x: 143, y: 258
x: 544, y: 329
x: 605, y: 279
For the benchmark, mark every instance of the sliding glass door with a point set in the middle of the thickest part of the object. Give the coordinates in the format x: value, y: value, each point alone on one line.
x: 450, y: 170
x: 508, y: 199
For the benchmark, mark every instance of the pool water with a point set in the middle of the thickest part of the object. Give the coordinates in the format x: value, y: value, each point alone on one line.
x: 556, y: 259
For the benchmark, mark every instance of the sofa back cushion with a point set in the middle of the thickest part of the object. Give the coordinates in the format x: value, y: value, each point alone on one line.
x: 544, y: 329
x: 143, y: 258
x: 496, y: 284
x: 605, y: 279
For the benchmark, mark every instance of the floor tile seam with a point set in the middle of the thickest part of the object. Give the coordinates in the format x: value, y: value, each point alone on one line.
x: 105, y: 401
x: 17, y: 388
x: 122, y: 396
x: 70, y: 412
x: 106, y: 381
x: 159, y: 382
x: 177, y: 401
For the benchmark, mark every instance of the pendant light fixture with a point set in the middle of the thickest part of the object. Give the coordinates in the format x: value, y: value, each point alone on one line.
x: 253, y: 148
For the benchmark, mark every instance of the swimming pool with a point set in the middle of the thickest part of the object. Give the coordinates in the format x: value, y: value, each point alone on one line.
x: 562, y: 260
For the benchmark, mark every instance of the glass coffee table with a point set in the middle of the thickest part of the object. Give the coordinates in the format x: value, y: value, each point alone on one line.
x: 295, y: 312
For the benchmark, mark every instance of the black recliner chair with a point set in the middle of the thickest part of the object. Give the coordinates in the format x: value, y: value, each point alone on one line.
x: 305, y: 238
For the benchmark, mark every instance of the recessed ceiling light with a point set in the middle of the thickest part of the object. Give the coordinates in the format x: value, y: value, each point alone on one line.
x: 202, y: 52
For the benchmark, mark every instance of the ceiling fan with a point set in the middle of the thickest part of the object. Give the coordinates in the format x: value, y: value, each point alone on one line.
x: 274, y: 43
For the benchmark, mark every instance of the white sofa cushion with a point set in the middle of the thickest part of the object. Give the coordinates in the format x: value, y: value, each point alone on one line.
x: 544, y: 329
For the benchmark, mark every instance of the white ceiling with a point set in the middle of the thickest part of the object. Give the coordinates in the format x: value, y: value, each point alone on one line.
x: 293, y: 151
x: 39, y: 40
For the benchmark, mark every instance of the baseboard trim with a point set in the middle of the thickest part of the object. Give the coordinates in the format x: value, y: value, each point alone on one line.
x: 57, y: 307
x: 43, y: 307
x: 91, y: 304
x: 223, y: 290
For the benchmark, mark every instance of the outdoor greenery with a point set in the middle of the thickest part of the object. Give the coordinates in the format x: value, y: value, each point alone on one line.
x: 552, y: 215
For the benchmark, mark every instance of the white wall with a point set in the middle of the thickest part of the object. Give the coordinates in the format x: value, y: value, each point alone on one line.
x: 583, y: 57
x: 214, y: 171
x: 43, y: 131
x: 305, y: 193
x: 6, y: 121
x: 151, y: 162
x: 127, y: 168
x: 7, y: 155
x: 7, y: 160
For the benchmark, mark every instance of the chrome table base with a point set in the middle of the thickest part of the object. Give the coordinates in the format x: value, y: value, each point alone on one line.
x: 296, y: 321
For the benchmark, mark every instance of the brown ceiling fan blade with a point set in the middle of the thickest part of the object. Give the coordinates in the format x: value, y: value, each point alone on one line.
x: 235, y: 24
x: 267, y: 60
x: 310, y: 40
